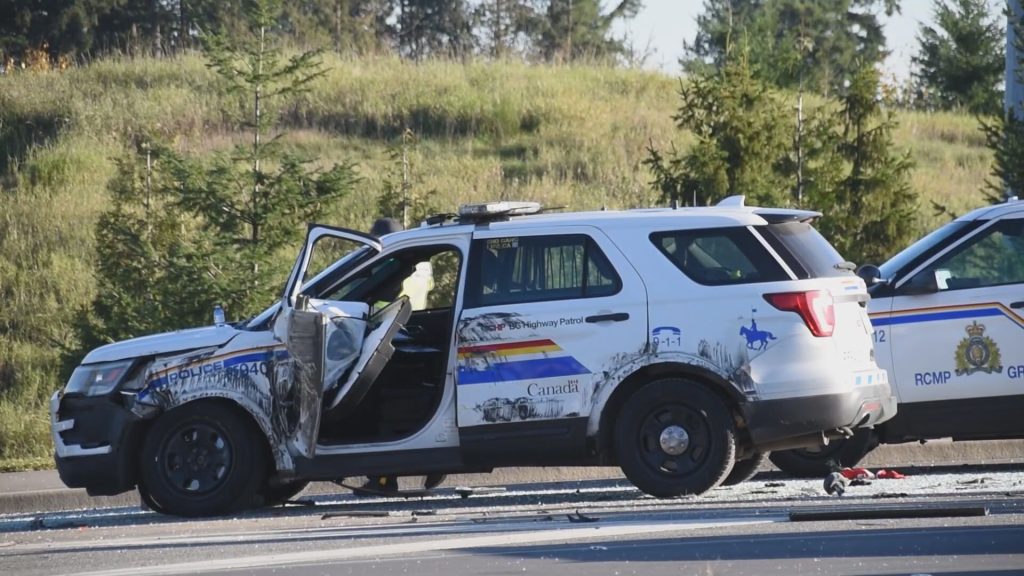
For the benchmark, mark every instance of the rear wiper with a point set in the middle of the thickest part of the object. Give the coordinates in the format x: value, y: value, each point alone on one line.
x: 847, y: 265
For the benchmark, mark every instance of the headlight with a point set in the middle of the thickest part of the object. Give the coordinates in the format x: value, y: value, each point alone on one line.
x: 97, y: 379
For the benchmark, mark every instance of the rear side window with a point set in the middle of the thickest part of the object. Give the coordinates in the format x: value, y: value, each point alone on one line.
x: 805, y: 250
x: 719, y: 256
x: 517, y: 269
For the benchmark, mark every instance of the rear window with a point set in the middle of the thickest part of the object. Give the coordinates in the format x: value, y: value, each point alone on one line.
x: 719, y: 256
x: 805, y: 250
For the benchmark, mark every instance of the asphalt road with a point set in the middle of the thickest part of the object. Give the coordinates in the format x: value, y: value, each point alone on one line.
x: 584, y: 527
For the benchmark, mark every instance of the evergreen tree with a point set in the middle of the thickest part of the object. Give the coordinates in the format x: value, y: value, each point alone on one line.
x: 1004, y: 135
x: 434, y: 28
x: 579, y: 29
x: 349, y: 26
x: 840, y: 162
x: 198, y: 233
x: 403, y: 197
x: 507, y: 26
x: 960, y: 61
x: 870, y: 213
x: 151, y: 274
x: 814, y: 43
x: 743, y: 138
x: 61, y: 28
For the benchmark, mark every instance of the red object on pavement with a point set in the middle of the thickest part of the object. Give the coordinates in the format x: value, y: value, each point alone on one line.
x: 890, y: 475
x: 857, y: 473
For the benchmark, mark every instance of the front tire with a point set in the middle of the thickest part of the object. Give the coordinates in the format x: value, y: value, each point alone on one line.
x: 202, y: 459
x: 820, y: 462
x: 674, y: 437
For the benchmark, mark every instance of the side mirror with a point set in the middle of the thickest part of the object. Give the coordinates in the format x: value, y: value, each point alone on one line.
x: 871, y: 275
x: 927, y: 282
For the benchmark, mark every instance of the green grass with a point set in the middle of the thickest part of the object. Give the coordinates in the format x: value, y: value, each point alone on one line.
x: 570, y: 136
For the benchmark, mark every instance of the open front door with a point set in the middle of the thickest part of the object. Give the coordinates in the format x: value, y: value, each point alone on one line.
x: 323, y: 340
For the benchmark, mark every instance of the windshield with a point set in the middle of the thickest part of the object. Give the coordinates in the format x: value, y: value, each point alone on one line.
x: 317, y: 284
x: 921, y: 249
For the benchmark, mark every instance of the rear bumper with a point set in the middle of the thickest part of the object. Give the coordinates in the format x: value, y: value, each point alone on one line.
x: 95, y: 442
x: 771, y: 422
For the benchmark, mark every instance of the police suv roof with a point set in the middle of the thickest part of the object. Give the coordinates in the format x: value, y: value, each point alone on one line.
x: 647, y: 218
x: 1011, y: 206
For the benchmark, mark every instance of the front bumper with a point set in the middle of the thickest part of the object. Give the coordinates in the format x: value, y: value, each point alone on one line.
x: 771, y: 422
x: 95, y: 443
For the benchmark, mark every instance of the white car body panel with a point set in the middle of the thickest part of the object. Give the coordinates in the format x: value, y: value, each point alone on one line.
x: 164, y: 343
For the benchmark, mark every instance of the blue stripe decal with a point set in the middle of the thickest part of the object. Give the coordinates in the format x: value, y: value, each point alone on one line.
x: 244, y: 358
x: 262, y: 356
x: 935, y: 316
x: 523, y: 370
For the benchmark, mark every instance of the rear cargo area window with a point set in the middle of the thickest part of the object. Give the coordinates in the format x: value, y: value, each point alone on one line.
x: 805, y: 250
x: 719, y: 256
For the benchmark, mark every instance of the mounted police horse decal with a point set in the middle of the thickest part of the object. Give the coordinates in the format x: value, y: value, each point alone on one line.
x: 756, y: 339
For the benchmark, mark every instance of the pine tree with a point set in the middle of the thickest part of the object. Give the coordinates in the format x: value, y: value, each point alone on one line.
x: 199, y: 233
x: 870, y: 213
x: 507, y: 26
x: 1004, y: 135
x: 580, y: 29
x: 960, y: 60
x: 743, y: 138
x: 403, y: 197
x: 814, y: 43
x: 434, y: 28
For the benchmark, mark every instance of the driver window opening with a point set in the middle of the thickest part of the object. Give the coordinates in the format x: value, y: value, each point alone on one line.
x: 403, y: 394
x: 994, y: 257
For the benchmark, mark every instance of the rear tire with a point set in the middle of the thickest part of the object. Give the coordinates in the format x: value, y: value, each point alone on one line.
x: 745, y: 469
x: 674, y: 437
x: 846, y: 452
x: 202, y: 459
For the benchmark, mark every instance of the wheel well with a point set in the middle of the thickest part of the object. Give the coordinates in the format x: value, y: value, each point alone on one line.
x: 228, y: 404
x: 732, y: 397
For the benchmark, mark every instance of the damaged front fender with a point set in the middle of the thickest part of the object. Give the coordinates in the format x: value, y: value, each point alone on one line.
x: 245, y: 376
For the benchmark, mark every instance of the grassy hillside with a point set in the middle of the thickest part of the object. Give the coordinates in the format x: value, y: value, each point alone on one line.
x: 571, y: 136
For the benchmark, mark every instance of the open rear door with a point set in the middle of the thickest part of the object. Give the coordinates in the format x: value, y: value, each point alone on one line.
x: 322, y: 339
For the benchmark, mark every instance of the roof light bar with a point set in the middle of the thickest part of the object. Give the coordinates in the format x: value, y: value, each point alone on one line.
x: 498, y: 209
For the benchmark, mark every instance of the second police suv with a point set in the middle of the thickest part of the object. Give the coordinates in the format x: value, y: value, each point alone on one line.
x: 681, y: 345
x: 948, y: 316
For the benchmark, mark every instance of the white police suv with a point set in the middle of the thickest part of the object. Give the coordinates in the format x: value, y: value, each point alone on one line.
x: 679, y: 344
x: 948, y: 317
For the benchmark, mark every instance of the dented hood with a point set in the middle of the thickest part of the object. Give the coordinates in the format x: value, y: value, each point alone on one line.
x: 161, y: 344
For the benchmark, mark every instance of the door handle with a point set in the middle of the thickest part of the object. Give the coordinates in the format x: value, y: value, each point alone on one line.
x: 614, y: 317
x: 1016, y: 305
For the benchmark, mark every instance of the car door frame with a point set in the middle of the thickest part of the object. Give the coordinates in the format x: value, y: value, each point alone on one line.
x: 302, y: 440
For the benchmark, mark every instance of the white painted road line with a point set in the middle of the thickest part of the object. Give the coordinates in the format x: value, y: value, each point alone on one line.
x: 552, y: 534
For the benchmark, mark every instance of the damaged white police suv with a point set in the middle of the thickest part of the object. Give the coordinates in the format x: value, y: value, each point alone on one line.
x: 948, y: 327
x: 678, y: 344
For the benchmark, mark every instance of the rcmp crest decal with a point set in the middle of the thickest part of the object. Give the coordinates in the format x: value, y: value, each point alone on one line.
x: 977, y: 352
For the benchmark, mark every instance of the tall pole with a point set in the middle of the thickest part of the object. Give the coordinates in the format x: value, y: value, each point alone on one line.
x: 1014, y: 88
x: 1014, y: 102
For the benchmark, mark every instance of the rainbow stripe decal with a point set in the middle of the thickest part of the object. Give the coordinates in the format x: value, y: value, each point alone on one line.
x: 966, y: 311
x: 507, y: 361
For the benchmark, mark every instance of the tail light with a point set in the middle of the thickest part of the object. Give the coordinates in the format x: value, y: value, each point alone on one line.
x: 816, y: 307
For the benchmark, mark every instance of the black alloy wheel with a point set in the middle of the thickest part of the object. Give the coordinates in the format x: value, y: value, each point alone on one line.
x: 675, y: 437
x: 203, y: 458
